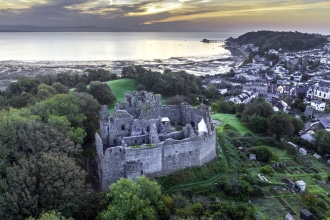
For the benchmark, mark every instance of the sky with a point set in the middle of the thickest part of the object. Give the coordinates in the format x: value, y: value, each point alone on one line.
x: 310, y: 16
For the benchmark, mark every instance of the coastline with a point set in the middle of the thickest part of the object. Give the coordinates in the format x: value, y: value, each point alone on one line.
x: 12, y: 69
x: 237, y: 51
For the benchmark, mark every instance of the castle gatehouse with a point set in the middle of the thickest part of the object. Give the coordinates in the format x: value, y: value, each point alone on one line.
x: 145, y: 138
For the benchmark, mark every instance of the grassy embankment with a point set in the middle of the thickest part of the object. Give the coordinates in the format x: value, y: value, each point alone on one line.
x: 119, y: 87
x: 231, y: 120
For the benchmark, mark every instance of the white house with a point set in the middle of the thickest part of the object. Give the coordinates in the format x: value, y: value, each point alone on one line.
x: 243, y: 98
x: 318, y: 105
x: 302, y: 151
x: 301, y: 184
x: 321, y: 90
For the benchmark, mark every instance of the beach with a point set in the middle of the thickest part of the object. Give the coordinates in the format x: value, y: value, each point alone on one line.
x: 11, y: 70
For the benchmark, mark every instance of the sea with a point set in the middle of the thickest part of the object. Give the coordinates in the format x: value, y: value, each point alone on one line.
x: 107, y: 46
x: 36, y: 53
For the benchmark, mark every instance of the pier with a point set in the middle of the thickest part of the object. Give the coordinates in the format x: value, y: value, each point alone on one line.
x: 212, y: 41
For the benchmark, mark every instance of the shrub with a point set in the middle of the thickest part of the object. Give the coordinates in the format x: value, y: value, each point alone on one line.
x: 267, y: 170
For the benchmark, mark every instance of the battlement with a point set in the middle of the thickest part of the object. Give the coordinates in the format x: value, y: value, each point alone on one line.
x: 144, y: 138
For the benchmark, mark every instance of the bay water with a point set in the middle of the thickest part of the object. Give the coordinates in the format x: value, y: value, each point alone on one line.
x: 108, y: 46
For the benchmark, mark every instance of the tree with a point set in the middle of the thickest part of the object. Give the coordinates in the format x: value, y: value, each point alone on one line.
x: 128, y: 72
x: 258, y: 107
x: 263, y: 153
x: 90, y: 109
x: 50, y: 215
x: 304, y: 77
x: 211, y: 91
x: 256, y: 113
x: 62, y: 105
x: 175, y: 100
x: 101, y: 92
x: 280, y: 125
x: 128, y: 199
x: 47, y: 181
x: 297, y: 124
x: 322, y: 140
x: 257, y: 123
x: 298, y: 104
x: 60, y: 88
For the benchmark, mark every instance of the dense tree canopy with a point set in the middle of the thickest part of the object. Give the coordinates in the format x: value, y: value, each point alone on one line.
x: 255, y: 115
x: 322, y: 140
x: 47, y: 181
x: 293, y: 41
x: 50, y: 215
x: 40, y: 160
x: 101, y: 92
x: 128, y: 199
x: 280, y: 125
x: 168, y: 83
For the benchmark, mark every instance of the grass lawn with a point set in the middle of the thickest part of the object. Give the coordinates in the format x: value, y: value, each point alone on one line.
x: 119, y: 87
x: 231, y: 120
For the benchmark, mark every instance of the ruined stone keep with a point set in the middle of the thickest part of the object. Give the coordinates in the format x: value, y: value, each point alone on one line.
x: 145, y: 138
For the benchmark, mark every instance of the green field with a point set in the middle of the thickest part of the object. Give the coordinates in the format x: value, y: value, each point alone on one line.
x: 231, y: 120
x: 119, y: 87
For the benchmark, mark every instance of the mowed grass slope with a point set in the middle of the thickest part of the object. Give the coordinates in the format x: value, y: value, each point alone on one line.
x: 119, y: 87
x: 231, y: 120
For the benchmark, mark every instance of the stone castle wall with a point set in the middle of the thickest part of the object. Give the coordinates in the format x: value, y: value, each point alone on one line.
x: 138, y: 139
x: 161, y: 159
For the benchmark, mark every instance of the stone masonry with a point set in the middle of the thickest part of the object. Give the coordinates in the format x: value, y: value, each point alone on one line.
x: 145, y: 138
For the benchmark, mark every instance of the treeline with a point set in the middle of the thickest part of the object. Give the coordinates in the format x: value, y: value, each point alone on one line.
x: 27, y: 91
x: 292, y: 41
x: 42, y: 166
x: 170, y: 83
x: 47, y: 130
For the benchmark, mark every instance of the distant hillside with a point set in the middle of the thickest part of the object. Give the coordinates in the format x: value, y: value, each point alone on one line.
x: 291, y: 41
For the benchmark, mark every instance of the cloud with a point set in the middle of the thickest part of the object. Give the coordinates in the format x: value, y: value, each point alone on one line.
x: 150, y: 13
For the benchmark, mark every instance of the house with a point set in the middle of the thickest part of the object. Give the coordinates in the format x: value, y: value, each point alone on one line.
x: 301, y: 185
x: 317, y: 156
x: 252, y: 157
x: 279, y: 105
x: 288, y: 216
x: 302, y: 151
x: 259, y: 88
x: 308, y: 137
x: 318, y: 105
x: 243, y: 98
x: 320, y: 90
x: 306, y: 215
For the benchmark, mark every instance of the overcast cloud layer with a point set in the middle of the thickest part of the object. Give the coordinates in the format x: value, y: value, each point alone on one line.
x: 171, y: 15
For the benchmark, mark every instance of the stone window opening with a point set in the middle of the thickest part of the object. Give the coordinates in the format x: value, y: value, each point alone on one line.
x: 141, y: 172
x: 148, y: 128
x: 123, y: 127
x: 114, y: 142
x: 144, y: 141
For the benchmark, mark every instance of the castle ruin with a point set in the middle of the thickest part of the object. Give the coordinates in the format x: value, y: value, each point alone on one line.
x: 145, y: 138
